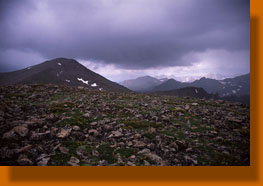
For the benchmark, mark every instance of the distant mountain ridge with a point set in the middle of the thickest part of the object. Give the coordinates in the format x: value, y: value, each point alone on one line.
x: 230, y: 89
x: 142, y: 84
x: 237, y: 86
x: 61, y: 71
x: 192, y: 78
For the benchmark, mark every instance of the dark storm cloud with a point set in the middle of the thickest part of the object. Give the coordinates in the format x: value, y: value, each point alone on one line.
x: 129, y: 34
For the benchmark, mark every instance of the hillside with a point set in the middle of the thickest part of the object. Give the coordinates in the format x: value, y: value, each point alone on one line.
x: 60, y: 71
x: 66, y: 125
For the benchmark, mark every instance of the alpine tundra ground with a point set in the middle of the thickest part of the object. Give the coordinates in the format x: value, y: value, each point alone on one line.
x: 59, y: 125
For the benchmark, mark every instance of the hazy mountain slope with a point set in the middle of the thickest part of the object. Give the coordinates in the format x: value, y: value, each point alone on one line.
x: 141, y: 84
x: 238, y: 86
x: 170, y: 84
x: 210, y: 85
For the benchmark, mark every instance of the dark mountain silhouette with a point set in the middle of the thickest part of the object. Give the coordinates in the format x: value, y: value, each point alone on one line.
x: 193, y: 92
x: 170, y: 84
x: 60, y: 71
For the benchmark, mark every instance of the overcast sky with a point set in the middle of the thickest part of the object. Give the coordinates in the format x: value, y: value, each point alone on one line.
x: 122, y: 39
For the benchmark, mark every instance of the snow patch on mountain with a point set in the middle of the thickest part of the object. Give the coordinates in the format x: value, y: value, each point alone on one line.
x: 222, y: 82
x: 58, y: 74
x: 59, y: 64
x: 94, y: 85
x: 83, y: 81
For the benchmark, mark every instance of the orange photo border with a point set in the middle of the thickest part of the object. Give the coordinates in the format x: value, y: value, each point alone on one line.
x: 216, y: 175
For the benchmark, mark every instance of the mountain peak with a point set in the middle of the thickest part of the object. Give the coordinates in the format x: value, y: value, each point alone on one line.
x: 61, y: 71
x: 61, y: 60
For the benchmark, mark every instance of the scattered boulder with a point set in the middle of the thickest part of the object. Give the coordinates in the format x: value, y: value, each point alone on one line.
x: 93, y: 132
x: 9, y: 135
x: 73, y: 161
x: 115, y: 134
x: 21, y: 130
x: 64, y: 133
x: 76, y: 128
x: 24, y: 161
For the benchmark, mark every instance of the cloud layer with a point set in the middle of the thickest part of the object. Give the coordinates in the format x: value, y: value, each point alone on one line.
x: 137, y: 34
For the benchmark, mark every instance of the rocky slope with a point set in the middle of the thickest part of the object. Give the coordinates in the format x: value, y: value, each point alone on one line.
x: 61, y: 125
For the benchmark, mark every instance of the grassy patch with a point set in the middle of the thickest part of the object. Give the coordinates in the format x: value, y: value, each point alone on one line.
x: 149, y: 135
x: 75, y: 118
x: 61, y: 107
x: 106, y: 153
x: 212, y: 157
x: 71, y: 145
x: 126, y: 152
x: 60, y: 159
x: 140, y: 124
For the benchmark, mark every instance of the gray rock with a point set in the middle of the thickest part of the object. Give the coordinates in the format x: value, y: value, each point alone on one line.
x: 103, y: 163
x: 86, y: 115
x: 73, y: 161
x: 130, y: 164
x: 93, y: 132
x: 24, y: 161
x: 139, y: 144
x: 39, y: 136
x: 76, y: 128
x: 24, y: 149
x: 21, y: 130
x: 94, y: 123
x: 132, y: 158
x: 144, y: 151
x: 43, y: 161
x: 9, y: 135
x: 116, y: 134
x: 64, y: 150
x: 146, y: 163
x: 64, y: 133
x: 155, y: 158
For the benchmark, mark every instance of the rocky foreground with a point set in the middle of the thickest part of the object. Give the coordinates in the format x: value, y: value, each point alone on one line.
x: 55, y: 125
